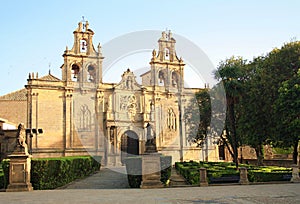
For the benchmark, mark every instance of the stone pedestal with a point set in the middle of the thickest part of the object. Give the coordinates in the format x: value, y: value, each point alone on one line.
x: 295, y: 174
x: 243, y: 176
x: 19, y: 172
x: 151, y: 171
x: 203, y: 177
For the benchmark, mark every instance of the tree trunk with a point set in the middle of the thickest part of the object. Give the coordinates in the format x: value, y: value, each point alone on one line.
x: 295, y: 152
x: 233, y: 134
x: 227, y: 146
x: 259, y: 155
x: 206, y: 147
x: 241, y: 160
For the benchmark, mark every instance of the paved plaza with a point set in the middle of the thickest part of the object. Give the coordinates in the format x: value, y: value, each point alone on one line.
x: 110, y: 187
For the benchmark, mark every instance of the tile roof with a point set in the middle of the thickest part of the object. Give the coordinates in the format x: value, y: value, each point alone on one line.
x: 19, y: 95
x: 49, y: 77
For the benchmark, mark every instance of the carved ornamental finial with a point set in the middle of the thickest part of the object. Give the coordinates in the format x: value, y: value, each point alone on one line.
x: 180, y: 60
x: 154, y: 53
x: 99, y: 48
x: 79, y: 27
x: 87, y: 25
x: 163, y: 34
x: 170, y: 35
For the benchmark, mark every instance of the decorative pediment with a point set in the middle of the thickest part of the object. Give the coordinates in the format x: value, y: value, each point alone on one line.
x: 128, y: 82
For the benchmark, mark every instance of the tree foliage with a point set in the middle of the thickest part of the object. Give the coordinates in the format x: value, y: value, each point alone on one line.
x: 262, y: 99
x: 204, y: 103
x: 230, y: 74
x: 287, y: 107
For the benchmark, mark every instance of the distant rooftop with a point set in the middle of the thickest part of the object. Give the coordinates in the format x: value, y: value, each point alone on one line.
x: 19, y: 95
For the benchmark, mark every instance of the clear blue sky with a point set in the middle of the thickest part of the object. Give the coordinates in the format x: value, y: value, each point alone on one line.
x: 34, y: 33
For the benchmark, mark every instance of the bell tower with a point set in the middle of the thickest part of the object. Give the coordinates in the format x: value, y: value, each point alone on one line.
x: 83, y: 63
x: 167, y: 69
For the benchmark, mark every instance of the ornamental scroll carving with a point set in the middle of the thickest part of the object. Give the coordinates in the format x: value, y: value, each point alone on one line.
x: 128, y: 103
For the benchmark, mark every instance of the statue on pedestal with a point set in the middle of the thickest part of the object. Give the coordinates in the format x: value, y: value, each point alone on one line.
x: 151, y: 140
x: 21, y: 145
x: 20, y: 164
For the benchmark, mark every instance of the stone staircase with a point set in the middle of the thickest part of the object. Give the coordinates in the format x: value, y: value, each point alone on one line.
x: 176, y: 180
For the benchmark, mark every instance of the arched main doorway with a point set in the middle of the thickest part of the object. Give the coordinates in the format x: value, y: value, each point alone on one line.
x: 129, y: 145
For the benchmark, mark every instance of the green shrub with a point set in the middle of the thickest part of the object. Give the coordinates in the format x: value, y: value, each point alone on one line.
x: 50, y: 173
x: 5, y: 170
x: 226, y: 172
x: 278, y: 150
x: 134, y: 170
x: 56, y: 172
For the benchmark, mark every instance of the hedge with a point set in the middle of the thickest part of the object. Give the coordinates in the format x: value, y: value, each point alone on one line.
x: 5, y: 172
x: 50, y: 173
x: 134, y: 170
x: 1, y: 177
x: 222, y: 172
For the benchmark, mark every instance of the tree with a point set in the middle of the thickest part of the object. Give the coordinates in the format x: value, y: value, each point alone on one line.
x: 230, y: 72
x: 287, y: 108
x: 280, y: 68
x: 259, y: 121
x: 253, y: 111
x: 204, y: 103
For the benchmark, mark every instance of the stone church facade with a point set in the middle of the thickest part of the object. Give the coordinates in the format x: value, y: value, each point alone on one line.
x: 80, y: 114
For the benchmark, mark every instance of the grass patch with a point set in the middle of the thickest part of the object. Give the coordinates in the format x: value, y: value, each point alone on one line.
x: 277, y: 150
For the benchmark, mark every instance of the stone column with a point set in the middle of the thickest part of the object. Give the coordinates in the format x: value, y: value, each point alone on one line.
x: 295, y: 174
x: 243, y: 176
x: 68, y: 115
x: 203, y: 177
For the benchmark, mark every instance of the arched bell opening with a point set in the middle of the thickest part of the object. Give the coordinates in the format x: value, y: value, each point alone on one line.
x: 175, y: 79
x: 161, y: 78
x: 91, y: 73
x: 75, y: 72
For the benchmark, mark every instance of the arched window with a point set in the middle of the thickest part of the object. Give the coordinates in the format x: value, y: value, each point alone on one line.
x: 85, y: 118
x: 91, y: 73
x: 83, y: 45
x: 75, y: 72
x: 171, y: 119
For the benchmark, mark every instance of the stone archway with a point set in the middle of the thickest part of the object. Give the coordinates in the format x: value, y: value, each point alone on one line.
x: 129, y: 145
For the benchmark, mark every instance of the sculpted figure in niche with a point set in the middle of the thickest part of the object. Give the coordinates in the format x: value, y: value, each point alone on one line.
x: 129, y: 83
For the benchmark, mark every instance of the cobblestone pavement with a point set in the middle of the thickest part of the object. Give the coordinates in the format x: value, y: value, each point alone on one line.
x: 91, y: 190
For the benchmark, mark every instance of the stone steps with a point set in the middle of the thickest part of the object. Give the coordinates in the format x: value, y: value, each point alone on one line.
x: 176, y: 180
